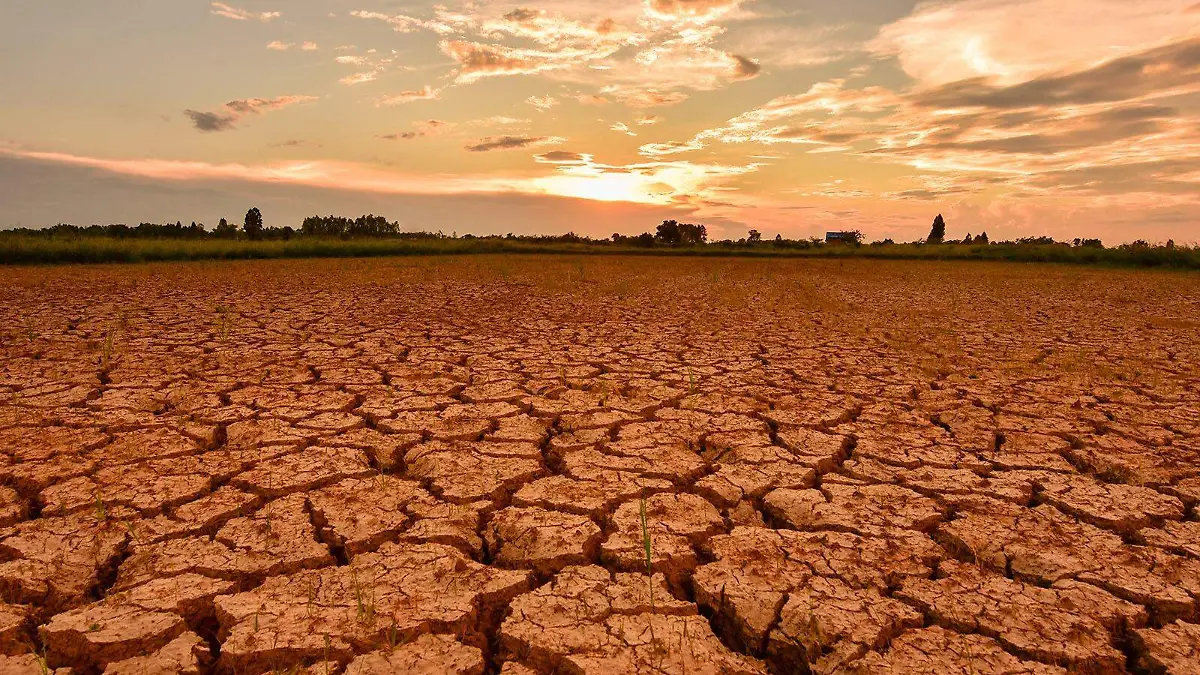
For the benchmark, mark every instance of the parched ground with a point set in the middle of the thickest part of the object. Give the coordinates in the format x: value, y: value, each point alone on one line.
x: 561, y: 465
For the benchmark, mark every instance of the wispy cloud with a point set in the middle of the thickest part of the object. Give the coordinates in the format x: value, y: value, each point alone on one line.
x: 491, y: 143
x: 425, y: 93
x: 227, y: 117
x: 542, y: 103
x: 358, y: 78
x: 230, y: 12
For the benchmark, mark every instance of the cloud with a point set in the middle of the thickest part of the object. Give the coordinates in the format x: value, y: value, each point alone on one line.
x: 1172, y: 68
x: 309, y: 46
x: 222, y: 9
x: 358, y: 78
x: 562, y: 157
x: 745, y: 69
x: 1013, y: 41
x: 1125, y: 126
x: 646, y: 98
x: 210, y: 121
x: 425, y: 93
x: 491, y: 143
x: 623, y: 128
x: 646, y: 120
x: 233, y: 111
x: 695, y: 11
x: 424, y: 128
x: 280, y: 46
x: 542, y: 103
x: 477, y: 60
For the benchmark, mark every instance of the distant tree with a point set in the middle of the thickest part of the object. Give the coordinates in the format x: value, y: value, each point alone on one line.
x: 938, y: 233
x: 981, y: 239
x: 645, y: 240
x: 754, y: 236
x: 692, y: 235
x: 225, y: 229
x: 668, y: 233
x: 253, y: 226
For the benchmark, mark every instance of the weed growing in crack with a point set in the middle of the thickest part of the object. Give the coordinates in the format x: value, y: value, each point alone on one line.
x: 326, y: 659
x: 101, y: 511
x: 222, y: 322
x: 106, y: 350
x: 364, y: 608
x: 649, y: 565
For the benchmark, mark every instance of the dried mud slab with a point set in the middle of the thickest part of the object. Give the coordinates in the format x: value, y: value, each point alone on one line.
x: 676, y: 525
x: 1173, y: 650
x: 544, y: 541
x: 867, y: 509
x: 1182, y: 538
x: 29, y: 664
x: 757, y: 572
x: 1123, y: 508
x: 427, y: 655
x: 1044, y: 545
x: 187, y: 654
x: 311, y: 469
x: 585, y: 620
x: 53, y: 562
x: 1070, y: 624
x: 936, y: 650
x: 593, y: 498
x: 16, y: 626
x: 462, y: 472
x: 391, y: 596
x: 130, y: 624
x: 279, y: 538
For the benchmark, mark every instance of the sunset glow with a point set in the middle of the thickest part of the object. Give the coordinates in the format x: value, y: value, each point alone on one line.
x: 788, y: 117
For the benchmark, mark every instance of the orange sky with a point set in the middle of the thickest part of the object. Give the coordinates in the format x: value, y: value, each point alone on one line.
x: 1018, y: 117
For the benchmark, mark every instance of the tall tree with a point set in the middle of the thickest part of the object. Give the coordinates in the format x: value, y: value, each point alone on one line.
x: 254, y: 223
x: 938, y: 233
x: 754, y: 236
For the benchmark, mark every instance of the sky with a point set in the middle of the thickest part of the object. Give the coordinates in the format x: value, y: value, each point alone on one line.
x: 1067, y: 118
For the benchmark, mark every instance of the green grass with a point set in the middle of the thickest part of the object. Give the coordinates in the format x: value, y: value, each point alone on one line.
x: 26, y: 249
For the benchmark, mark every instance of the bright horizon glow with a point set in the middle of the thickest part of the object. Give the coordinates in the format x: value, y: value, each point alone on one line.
x: 738, y: 114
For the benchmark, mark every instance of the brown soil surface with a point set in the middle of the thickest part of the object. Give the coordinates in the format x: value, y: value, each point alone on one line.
x: 509, y: 466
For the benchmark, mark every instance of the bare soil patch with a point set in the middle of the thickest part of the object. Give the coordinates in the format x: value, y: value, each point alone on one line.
x: 568, y: 465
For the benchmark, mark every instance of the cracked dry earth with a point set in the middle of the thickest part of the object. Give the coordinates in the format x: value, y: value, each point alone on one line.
x: 453, y: 466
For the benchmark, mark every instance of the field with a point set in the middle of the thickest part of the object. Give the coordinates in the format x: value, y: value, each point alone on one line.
x: 22, y: 248
x: 578, y: 464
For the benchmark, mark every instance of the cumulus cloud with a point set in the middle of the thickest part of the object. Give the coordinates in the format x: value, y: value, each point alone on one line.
x: 491, y: 143
x: 227, y: 118
x: 1123, y: 126
x: 229, y: 12
x: 1013, y: 41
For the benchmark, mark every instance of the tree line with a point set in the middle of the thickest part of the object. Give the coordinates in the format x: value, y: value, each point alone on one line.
x: 670, y: 233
